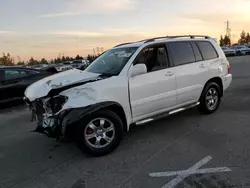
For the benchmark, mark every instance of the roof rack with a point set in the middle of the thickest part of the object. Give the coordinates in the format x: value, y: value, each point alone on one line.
x: 177, y: 36
x: 167, y: 37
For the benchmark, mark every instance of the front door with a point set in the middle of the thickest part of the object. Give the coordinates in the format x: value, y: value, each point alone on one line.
x: 155, y: 91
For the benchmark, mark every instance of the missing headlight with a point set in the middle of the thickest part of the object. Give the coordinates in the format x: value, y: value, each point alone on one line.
x: 57, y: 103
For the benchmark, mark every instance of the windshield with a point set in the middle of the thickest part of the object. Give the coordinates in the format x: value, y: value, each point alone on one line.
x: 112, y: 61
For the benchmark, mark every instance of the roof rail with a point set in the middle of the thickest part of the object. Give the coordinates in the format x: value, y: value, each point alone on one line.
x: 123, y: 44
x: 166, y: 37
x: 177, y: 36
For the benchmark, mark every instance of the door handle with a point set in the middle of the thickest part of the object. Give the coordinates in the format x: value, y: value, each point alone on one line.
x: 169, y: 73
x: 202, y: 66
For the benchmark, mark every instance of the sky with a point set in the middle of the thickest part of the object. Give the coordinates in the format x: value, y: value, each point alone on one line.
x: 49, y: 28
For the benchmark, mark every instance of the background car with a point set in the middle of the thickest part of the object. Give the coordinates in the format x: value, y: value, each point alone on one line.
x: 50, y: 69
x: 14, y: 81
x: 80, y: 64
x: 241, y: 50
x: 228, y: 51
x: 63, y: 66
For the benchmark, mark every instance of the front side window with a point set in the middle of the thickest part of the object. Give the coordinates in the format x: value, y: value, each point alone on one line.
x: 155, y: 58
x: 182, y: 53
x: 11, y: 74
x: 207, y: 50
x: 112, y: 61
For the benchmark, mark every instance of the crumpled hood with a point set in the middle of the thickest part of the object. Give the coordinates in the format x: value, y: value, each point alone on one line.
x: 42, y: 87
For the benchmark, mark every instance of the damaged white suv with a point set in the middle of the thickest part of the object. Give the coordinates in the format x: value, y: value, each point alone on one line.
x: 130, y: 84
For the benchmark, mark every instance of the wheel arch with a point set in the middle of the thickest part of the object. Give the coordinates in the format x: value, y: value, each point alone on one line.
x: 72, y: 119
x: 218, y: 81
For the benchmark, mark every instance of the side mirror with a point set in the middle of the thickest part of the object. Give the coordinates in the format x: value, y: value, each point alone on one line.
x: 138, y: 70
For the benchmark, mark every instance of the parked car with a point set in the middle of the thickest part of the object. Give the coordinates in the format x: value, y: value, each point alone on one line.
x: 76, y: 63
x: 14, y: 81
x: 241, y: 50
x: 39, y: 66
x: 63, y: 66
x: 228, y: 51
x: 128, y: 85
x: 82, y: 66
x: 50, y: 69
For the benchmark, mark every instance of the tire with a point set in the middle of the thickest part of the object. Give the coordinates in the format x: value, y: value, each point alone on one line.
x: 238, y: 53
x: 210, y: 98
x: 94, y: 129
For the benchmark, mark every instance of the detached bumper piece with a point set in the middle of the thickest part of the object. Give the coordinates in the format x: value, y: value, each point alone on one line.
x: 53, y: 132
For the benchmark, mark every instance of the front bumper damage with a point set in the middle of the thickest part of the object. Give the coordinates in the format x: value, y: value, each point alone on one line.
x: 62, y: 125
x: 48, y: 121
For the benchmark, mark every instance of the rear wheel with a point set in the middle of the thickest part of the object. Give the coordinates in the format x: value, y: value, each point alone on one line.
x: 210, y: 98
x: 100, y: 133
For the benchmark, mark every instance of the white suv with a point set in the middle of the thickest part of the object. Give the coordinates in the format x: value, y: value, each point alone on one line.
x: 130, y: 84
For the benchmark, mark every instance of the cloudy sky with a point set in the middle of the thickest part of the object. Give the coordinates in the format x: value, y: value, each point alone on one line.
x: 47, y: 28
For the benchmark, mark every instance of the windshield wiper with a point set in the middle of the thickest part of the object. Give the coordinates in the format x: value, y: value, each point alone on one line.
x: 107, y: 74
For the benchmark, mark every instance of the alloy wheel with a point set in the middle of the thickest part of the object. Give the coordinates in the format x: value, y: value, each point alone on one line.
x: 99, y: 133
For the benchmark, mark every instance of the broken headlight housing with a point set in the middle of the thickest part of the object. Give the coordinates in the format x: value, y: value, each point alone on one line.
x: 55, y: 104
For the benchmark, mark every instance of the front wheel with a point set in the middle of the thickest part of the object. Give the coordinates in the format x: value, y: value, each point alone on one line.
x: 210, y: 98
x: 100, y: 133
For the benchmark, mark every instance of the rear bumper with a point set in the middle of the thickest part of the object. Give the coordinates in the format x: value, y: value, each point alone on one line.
x: 226, y: 81
x: 230, y: 53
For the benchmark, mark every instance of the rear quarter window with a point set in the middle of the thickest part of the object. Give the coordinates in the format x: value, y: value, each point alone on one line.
x: 207, y: 50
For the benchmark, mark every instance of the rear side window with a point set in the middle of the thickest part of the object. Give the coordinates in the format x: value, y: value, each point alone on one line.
x: 182, y: 53
x: 207, y: 50
x: 22, y: 73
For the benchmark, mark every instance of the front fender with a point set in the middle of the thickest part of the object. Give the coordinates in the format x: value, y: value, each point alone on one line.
x: 79, y: 97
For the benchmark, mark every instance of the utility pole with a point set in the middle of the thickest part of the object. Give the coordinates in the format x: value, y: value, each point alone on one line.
x: 228, y: 30
x: 98, y: 50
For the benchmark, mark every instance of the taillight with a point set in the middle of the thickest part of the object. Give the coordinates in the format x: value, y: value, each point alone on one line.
x: 228, y: 67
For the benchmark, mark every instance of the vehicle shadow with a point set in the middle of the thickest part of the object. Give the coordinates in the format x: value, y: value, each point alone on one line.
x: 13, y: 105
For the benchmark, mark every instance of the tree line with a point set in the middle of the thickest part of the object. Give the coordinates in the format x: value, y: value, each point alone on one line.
x: 7, y: 60
x: 244, y: 39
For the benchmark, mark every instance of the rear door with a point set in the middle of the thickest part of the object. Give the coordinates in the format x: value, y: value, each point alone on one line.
x: 155, y: 91
x: 190, y: 69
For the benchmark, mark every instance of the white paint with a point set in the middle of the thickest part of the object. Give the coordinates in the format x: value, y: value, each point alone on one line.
x: 181, y: 175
